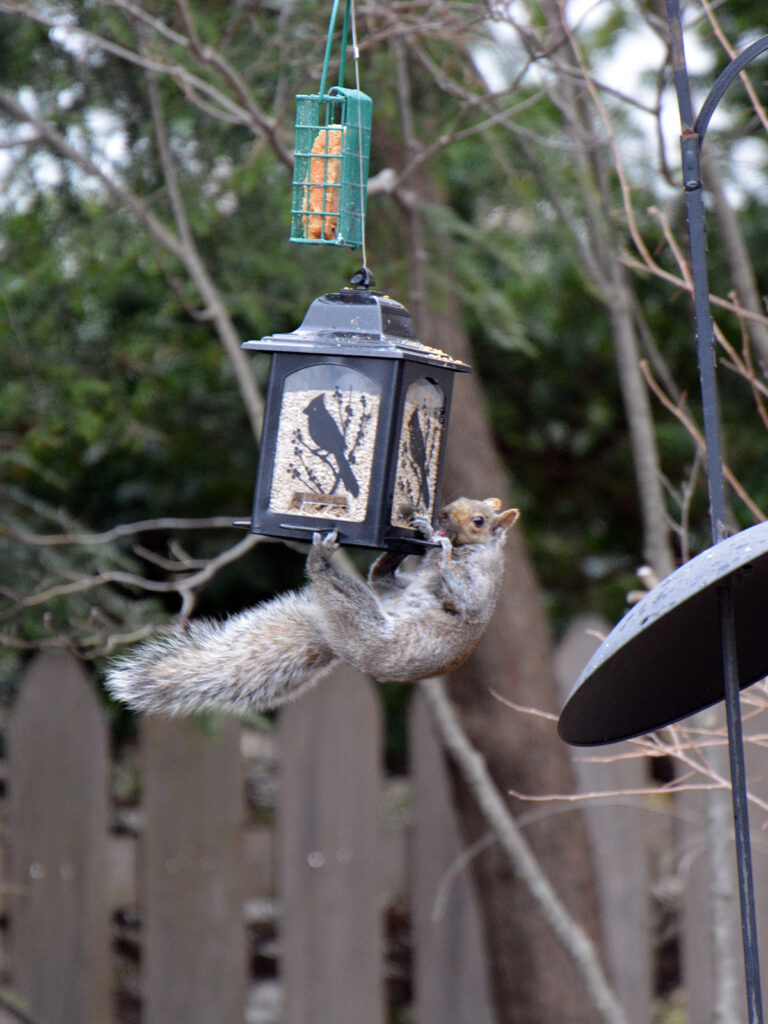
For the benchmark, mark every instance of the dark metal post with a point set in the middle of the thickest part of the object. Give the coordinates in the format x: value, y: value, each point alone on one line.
x: 692, y: 138
x: 740, y: 808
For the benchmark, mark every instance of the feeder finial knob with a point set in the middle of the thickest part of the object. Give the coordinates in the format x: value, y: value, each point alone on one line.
x: 363, y: 278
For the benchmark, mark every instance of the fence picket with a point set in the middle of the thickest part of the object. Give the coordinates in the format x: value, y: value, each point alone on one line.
x: 618, y: 828
x: 329, y: 879
x: 58, y: 819
x: 192, y: 873
x: 702, y: 967
x: 451, y: 980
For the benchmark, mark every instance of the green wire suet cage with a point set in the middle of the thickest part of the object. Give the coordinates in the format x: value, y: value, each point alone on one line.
x: 333, y: 141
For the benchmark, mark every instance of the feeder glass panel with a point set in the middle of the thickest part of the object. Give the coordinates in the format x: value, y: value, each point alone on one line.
x: 325, y: 442
x: 421, y: 435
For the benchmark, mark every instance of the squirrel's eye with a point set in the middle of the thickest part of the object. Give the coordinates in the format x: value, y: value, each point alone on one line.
x: 477, y: 520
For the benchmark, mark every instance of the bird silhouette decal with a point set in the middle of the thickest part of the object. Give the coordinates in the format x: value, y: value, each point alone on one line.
x: 418, y: 451
x: 325, y: 432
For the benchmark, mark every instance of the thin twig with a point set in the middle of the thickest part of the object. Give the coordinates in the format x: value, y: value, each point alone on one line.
x: 680, y: 414
x: 164, y: 523
x: 187, y: 585
x: 632, y: 263
x: 11, y: 1006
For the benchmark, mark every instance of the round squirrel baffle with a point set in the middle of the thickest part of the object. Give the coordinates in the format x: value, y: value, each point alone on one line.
x: 664, y: 659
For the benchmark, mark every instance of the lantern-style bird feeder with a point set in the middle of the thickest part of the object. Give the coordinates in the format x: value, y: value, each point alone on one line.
x: 354, y: 425
x: 356, y: 407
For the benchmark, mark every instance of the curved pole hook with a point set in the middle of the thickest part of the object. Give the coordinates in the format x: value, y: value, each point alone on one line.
x: 722, y: 82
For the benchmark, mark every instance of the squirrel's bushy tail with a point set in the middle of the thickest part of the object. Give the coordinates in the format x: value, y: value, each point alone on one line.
x: 254, y: 660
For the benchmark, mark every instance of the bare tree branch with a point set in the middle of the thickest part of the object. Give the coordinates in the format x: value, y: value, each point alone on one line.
x: 162, y: 524
x: 187, y: 586
x: 192, y: 85
x: 168, y: 241
x: 569, y: 933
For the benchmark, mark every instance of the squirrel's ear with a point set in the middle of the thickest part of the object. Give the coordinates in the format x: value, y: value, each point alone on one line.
x: 506, y: 519
x: 495, y: 503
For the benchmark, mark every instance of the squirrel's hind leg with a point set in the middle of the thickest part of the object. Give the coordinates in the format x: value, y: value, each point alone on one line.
x: 353, y: 619
x: 338, y: 592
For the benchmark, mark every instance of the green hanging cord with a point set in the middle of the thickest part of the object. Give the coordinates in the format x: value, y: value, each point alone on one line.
x: 344, y: 34
x: 329, y: 45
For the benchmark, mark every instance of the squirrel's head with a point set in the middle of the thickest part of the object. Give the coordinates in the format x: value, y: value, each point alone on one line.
x: 468, y: 521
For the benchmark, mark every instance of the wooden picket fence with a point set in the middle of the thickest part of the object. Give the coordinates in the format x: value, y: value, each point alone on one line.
x: 195, y: 864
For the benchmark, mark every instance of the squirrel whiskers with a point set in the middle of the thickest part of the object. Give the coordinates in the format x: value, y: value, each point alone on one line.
x: 398, y: 627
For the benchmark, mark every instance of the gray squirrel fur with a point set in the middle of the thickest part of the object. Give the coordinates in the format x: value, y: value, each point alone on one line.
x: 397, y: 627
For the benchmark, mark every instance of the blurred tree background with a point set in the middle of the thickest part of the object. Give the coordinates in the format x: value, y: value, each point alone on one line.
x: 117, y: 395
x: 523, y: 172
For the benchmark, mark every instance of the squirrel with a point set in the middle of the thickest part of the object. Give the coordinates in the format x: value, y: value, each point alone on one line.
x: 397, y: 627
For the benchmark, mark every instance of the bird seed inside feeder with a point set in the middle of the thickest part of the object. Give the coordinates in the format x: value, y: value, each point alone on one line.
x: 324, y: 453
x: 421, y: 435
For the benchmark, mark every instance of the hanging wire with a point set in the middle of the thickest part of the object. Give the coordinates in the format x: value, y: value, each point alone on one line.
x: 364, y: 274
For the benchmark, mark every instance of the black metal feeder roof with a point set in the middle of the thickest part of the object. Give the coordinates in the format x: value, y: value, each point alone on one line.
x: 356, y: 322
x: 664, y: 659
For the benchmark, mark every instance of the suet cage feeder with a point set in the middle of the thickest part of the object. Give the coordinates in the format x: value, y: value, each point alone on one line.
x: 354, y: 425
x: 330, y: 170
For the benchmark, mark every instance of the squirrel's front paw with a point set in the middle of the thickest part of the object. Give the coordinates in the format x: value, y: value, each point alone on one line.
x: 323, y: 546
x: 423, y: 524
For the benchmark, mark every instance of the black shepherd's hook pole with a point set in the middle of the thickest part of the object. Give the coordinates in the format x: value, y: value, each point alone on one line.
x: 692, y: 136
